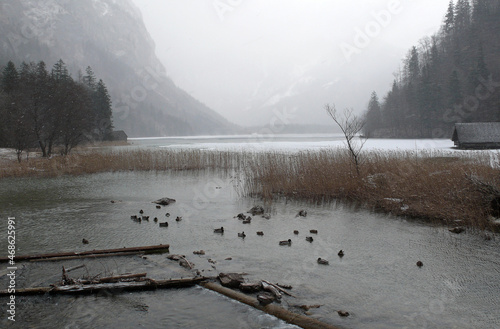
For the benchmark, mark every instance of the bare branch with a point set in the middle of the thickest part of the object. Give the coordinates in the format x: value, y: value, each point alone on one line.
x: 351, y: 125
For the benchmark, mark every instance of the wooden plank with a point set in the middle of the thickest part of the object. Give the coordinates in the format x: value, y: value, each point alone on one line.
x: 147, y: 249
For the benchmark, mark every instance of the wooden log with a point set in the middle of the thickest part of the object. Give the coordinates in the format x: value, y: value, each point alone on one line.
x: 91, y: 253
x: 117, y: 278
x: 74, y: 268
x: 117, y: 286
x: 87, y: 256
x: 272, y: 309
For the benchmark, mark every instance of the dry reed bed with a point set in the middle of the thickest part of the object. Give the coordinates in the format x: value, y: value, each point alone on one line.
x: 432, y: 186
x: 428, y: 185
x: 88, y: 162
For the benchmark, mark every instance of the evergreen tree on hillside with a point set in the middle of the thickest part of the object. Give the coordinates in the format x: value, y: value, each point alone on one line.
x: 443, y: 74
x: 89, y: 79
x: 449, y: 21
x: 462, y: 16
x: 10, y: 78
x: 373, y: 116
x: 102, y: 110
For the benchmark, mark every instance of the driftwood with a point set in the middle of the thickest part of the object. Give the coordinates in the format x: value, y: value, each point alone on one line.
x: 90, y: 253
x: 117, y: 278
x: 146, y: 284
x: 273, y: 309
x: 279, y: 288
x: 271, y: 289
x: 184, y: 262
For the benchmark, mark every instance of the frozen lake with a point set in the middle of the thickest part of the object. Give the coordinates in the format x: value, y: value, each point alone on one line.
x: 290, y: 142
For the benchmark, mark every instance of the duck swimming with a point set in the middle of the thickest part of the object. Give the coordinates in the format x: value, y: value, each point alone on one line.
x: 322, y: 261
x: 286, y: 242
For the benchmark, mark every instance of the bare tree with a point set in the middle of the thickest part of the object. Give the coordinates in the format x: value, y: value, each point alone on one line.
x: 351, y: 125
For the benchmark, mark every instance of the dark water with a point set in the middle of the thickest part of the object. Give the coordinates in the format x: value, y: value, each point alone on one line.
x: 377, y: 280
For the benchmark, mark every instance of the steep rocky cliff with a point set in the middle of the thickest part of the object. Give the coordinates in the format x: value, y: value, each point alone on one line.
x: 109, y: 36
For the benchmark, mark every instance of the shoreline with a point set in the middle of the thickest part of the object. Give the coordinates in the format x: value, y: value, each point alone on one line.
x: 435, y: 187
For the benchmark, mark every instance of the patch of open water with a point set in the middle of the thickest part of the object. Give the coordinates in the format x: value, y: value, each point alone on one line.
x: 377, y: 280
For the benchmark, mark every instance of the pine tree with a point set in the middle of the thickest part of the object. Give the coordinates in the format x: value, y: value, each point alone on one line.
x: 373, y: 116
x: 10, y: 78
x: 462, y: 15
x: 89, y: 80
x: 479, y: 11
x: 60, y: 71
x: 102, y: 111
x: 449, y: 20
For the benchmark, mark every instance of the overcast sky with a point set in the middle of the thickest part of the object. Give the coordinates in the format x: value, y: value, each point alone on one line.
x: 224, y: 51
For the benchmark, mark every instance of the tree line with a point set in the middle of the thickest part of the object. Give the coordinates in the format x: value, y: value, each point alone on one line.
x: 452, y: 76
x: 50, y: 110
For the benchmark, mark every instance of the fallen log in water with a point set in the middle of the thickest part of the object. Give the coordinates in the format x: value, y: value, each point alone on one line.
x: 272, y: 309
x: 147, y: 284
x: 90, y: 253
x: 117, y: 278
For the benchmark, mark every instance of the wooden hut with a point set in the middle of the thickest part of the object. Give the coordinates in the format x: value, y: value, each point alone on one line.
x: 477, y: 135
x: 118, y: 135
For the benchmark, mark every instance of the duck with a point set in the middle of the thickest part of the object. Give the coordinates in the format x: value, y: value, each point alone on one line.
x: 341, y: 253
x: 158, y: 207
x: 260, y: 233
x: 141, y: 211
x: 322, y: 261
x: 156, y: 219
x: 457, y: 230
x: 295, y: 232
x: 167, y: 214
x: 242, y: 235
x: 420, y: 264
x: 309, y: 238
x: 343, y: 313
x: 313, y: 231
x: 286, y: 242
x: 178, y: 218
x: 165, y: 224
x: 302, y: 213
x: 85, y: 241
x: 219, y: 230
x: 134, y: 217
x: 145, y: 218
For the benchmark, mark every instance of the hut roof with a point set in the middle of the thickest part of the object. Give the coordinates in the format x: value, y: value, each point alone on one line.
x: 118, y: 135
x: 477, y: 132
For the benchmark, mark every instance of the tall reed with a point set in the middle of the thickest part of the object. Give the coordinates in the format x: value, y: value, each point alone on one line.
x: 430, y: 185
x: 427, y: 185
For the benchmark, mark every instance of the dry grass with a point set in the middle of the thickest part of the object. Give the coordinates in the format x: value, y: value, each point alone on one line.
x: 428, y: 186
x: 95, y: 161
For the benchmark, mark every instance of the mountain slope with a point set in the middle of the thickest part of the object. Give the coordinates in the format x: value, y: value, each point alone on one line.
x: 109, y: 36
